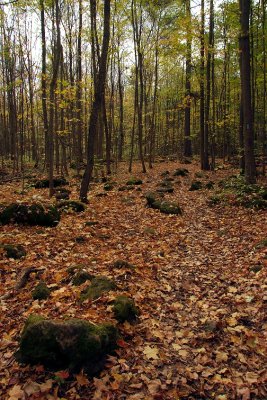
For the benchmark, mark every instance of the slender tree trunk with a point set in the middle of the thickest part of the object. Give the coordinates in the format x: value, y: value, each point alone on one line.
x: 250, y: 168
x: 79, y: 125
x: 188, y: 69
x: 203, y: 137
x: 264, y: 136
x: 44, y: 78
x: 53, y: 84
x: 208, y: 77
x: 97, y: 102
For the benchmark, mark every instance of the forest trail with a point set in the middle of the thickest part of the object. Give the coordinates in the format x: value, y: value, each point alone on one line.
x: 200, y: 334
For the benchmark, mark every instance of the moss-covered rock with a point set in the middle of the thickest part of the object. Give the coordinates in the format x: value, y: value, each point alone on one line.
x: 195, y: 185
x: 165, y: 183
x: 25, y: 214
x: 181, y: 172
x: 134, y: 181
x: 262, y: 244
x: 15, y: 251
x: 99, y: 285
x: 73, y: 205
x: 256, y: 268
x: 81, y: 276
x: 80, y: 239
x: 41, y: 292
x: 165, y: 173
x: 209, y: 185
x: 91, y: 223
x: 44, y: 183
x: 62, y: 194
x: 166, y: 189
x: 108, y: 186
x: 123, y: 264
x: 124, y: 309
x: 166, y: 207
x: 72, y: 344
x: 125, y: 188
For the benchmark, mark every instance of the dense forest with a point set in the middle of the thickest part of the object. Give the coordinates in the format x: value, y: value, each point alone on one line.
x: 133, y: 248
x: 165, y: 77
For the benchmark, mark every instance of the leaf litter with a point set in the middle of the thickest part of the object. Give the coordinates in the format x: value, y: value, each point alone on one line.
x: 201, y: 333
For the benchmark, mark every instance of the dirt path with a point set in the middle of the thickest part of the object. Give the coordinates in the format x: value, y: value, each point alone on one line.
x: 201, y: 329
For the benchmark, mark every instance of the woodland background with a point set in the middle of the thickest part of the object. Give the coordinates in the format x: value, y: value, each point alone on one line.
x: 172, y: 81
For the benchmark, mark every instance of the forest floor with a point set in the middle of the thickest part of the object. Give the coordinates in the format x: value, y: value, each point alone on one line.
x: 201, y: 333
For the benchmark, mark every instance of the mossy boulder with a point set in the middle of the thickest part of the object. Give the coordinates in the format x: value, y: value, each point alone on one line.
x: 33, y: 214
x: 44, y: 183
x: 81, y: 276
x: 41, y: 292
x: 73, y: 205
x: 15, y: 251
x: 72, y: 344
x: 123, y: 264
x: 125, y: 188
x: 262, y: 244
x: 181, y: 172
x: 99, y: 285
x: 62, y: 194
x: 134, y: 181
x: 186, y: 161
x: 91, y: 223
x: 209, y: 185
x: 165, y: 173
x: 124, y: 309
x: 195, y: 185
x: 165, y: 189
x: 108, y: 186
x: 256, y: 268
x: 166, y: 207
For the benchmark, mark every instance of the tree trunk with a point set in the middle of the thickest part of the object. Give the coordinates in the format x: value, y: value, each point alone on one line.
x: 250, y: 169
x: 188, y: 69
x: 97, y: 102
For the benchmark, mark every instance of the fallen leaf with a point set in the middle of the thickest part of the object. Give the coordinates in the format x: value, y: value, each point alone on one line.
x: 81, y: 379
x: 151, y: 352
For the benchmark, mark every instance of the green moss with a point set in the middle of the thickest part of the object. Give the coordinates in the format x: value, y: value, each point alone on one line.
x: 73, y: 205
x: 62, y: 194
x: 73, y: 344
x: 34, y: 214
x: 41, y: 292
x: 108, y: 186
x: 149, y: 230
x: 165, y: 207
x: 123, y: 264
x: 44, y: 183
x: 134, y: 181
x: 256, y: 268
x: 91, y: 223
x: 165, y: 173
x: 168, y: 189
x: 209, y: 185
x: 80, y: 277
x: 14, y: 251
x: 199, y: 174
x: 151, y: 198
x: 98, y: 286
x: 124, y: 309
x: 261, y: 244
x: 181, y: 172
x: 195, y: 185
x: 125, y: 188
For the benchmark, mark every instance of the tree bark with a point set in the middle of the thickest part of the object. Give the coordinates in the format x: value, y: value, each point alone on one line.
x: 97, y: 102
x: 250, y: 168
